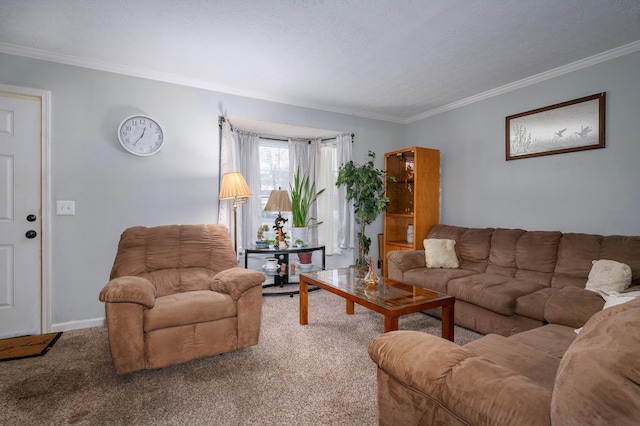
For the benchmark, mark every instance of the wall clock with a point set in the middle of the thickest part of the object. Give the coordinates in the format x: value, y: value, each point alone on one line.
x: 141, y: 135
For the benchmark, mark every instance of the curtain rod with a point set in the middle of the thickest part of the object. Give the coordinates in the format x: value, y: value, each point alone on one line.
x: 222, y: 119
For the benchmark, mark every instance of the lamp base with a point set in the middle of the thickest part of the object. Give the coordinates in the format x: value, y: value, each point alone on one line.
x: 280, y: 234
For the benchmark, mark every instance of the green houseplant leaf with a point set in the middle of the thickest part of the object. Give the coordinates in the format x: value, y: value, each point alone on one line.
x: 365, y: 187
x: 303, y: 194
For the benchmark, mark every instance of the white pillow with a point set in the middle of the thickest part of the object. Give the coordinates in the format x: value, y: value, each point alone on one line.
x: 608, y: 275
x: 440, y: 253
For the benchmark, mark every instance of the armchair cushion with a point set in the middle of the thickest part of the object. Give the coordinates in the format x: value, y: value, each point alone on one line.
x: 235, y: 281
x: 190, y: 307
x: 129, y: 290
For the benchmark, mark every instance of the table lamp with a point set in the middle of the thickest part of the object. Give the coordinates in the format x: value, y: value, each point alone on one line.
x: 235, y: 188
x: 279, y: 201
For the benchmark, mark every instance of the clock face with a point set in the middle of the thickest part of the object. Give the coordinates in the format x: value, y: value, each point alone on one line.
x: 141, y: 135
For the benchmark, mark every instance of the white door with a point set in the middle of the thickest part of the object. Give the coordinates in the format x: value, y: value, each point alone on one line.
x: 20, y: 215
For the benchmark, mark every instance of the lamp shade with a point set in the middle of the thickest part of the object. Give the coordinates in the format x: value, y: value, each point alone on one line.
x: 279, y: 201
x: 234, y: 186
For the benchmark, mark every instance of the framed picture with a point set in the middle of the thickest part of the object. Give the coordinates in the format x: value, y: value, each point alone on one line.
x: 566, y: 127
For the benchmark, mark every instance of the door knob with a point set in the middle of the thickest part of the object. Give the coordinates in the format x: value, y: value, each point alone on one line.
x: 31, y: 234
x: 31, y: 218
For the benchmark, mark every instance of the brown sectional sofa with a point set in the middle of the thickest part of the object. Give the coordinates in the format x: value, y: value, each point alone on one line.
x: 544, y: 376
x: 527, y: 287
x: 512, y: 280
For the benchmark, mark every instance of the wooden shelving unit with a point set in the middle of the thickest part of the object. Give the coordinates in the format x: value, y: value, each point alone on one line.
x: 414, y: 198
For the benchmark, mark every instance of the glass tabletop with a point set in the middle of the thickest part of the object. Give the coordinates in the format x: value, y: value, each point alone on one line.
x: 388, y: 293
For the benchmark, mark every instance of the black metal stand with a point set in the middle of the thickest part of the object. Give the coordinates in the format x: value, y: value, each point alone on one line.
x: 283, y: 278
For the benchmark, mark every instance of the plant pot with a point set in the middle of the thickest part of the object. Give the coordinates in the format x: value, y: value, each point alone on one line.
x: 305, y: 258
x: 299, y: 233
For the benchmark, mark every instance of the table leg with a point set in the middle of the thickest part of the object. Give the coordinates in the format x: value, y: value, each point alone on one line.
x: 350, y: 307
x: 448, y: 322
x: 304, y: 302
x: 390, y: 324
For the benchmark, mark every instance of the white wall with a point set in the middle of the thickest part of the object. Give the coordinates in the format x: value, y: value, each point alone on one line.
x: 114, y: 190
x: 595, y: 191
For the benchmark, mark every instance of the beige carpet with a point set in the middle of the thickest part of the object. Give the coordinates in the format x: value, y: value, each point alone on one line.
x: 319, y: 374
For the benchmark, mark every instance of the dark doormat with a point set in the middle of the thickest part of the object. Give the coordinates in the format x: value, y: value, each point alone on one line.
x: 27, y: 346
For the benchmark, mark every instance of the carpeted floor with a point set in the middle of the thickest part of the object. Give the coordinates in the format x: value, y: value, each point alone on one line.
x: 319, y: 374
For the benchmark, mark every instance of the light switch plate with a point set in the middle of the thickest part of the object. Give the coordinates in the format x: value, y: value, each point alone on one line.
x: 64, y: 207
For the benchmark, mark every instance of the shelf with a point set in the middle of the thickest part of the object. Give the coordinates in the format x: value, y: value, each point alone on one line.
x: 414, y: 198
x: 279, y: 279
x: 400, y: 243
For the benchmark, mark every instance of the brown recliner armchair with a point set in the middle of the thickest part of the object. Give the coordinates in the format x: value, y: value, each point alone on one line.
x: 176, y: 293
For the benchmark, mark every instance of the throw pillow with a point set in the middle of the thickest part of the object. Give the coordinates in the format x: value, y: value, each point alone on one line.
x: 608, y: 275
x: 440, y: 253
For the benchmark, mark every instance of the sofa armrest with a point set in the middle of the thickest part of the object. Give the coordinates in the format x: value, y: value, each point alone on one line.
x: 235, y: 281
x: 572, y: 306
x: 129, y: 289
x: 470, y: 387
x: 403, y: 260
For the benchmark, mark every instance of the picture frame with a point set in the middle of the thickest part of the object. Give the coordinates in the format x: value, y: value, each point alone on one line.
x: 570, y: 126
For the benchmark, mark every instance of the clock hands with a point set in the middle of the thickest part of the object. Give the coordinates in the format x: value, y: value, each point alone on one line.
x: 137, y: 140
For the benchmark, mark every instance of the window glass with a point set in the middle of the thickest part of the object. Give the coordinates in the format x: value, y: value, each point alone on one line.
x: 274, y: 173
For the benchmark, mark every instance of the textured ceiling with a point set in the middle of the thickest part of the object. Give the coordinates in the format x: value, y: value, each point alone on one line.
x: 391, y: 59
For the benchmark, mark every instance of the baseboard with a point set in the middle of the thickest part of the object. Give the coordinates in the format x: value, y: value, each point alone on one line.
x: 75, y: 325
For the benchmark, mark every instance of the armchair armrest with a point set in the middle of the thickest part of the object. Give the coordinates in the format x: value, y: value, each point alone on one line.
x: 129, y: 289
x: 469, y: 387
x: 235, y: 281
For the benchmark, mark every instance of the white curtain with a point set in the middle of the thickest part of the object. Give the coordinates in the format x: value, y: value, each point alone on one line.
x: 346, y: 217
x: 239, y: 151
x: 249, y: 164
x: 328, y: 201
x: 305, y: 154
x: 228, y: 164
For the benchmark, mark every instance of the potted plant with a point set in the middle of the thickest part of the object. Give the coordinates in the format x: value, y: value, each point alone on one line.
x: 303, y: 194
x: 365, y: 187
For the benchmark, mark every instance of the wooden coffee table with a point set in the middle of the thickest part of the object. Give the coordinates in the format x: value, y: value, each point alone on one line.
x: 391, y: 298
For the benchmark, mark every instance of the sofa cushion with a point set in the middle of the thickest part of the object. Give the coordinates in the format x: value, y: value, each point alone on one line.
x: 446, y: 231
x: 552, y: 339
x: 598, y: 381
x: 502, y: 259
x: 188, y: 308
x: 473, y: 247
x: 575, y: 254
x: 496, y: 293
x: 526, y: 360
x: 434, y: 279
x: 572, y: 306
x: 440, y: 253
x: 532, y: 305
x: 608, y: 275
x: 537, y: 252
x: 623, y: 249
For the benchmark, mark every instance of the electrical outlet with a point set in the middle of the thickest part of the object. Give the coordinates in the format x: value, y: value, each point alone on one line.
x: 64, y: 207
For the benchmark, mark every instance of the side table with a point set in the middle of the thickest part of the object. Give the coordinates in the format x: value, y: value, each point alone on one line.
x: 283, y: 278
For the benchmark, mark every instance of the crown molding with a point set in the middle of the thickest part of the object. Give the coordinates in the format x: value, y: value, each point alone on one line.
x: 207, y: 85
x: 565, y: 69
x: 183, y: 81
